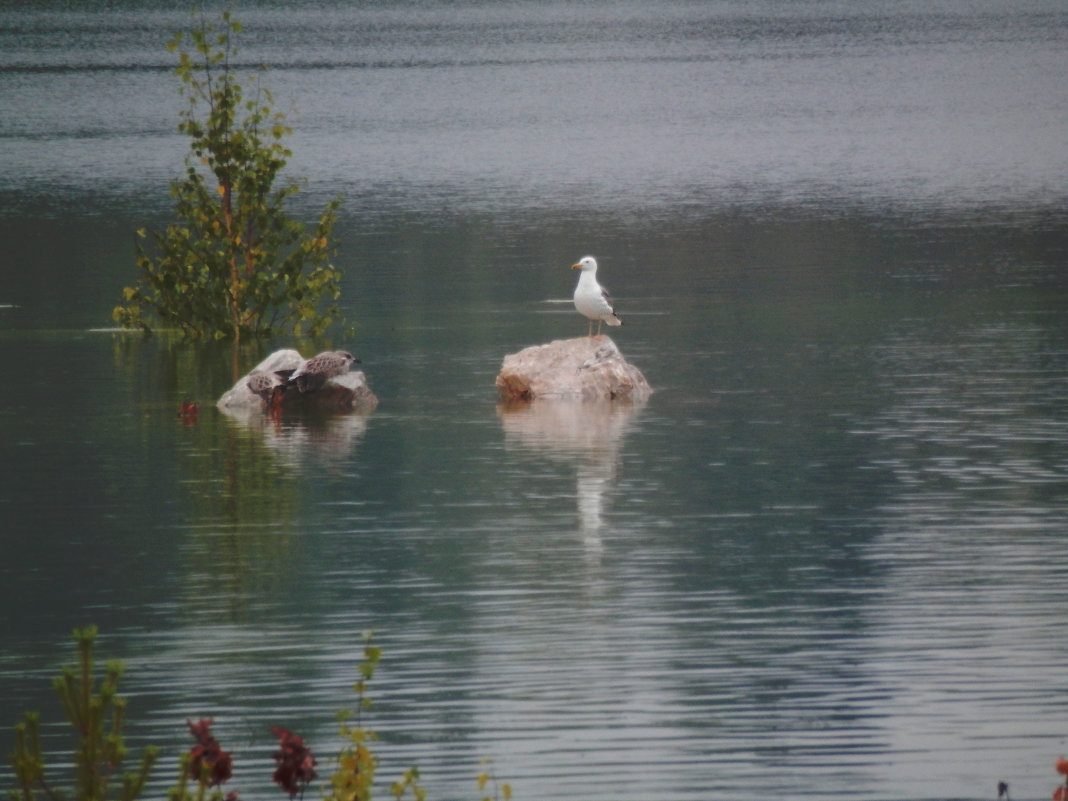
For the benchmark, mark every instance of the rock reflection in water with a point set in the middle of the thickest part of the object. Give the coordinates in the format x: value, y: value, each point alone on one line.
x: 294, y: 440
x: 587, y: 435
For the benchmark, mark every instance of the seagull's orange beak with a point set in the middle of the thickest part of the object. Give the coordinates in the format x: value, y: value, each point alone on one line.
x: 576, y: 266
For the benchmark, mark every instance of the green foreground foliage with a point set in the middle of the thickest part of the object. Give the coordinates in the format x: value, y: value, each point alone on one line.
x: 97, y: 714
x: 234, y: 263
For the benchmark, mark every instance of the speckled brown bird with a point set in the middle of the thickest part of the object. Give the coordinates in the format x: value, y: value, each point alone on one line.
x: 311, y: 375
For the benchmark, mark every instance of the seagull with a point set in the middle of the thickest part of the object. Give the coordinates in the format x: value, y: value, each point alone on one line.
x: 592, y: 299
x: 311, y: 375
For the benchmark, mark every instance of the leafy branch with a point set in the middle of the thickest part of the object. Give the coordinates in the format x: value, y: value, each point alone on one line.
x: 355, y: 774
x: 234, y: 263
x: 97, y: 714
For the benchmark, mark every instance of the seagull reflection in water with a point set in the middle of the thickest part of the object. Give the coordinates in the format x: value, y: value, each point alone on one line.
x: 586, y: 434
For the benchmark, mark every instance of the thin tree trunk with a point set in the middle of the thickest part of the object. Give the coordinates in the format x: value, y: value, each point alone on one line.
x: 235, y: 290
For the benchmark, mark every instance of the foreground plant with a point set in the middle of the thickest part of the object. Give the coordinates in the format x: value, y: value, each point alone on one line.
x: 1061, y: 793
x: 295, y: 763
x: 501, y: 790
x: 355, y: 774
x: 97, y: 714
x: 234, y: 263
x: 206, y: 764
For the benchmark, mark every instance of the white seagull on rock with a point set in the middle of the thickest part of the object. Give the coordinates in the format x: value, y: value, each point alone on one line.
x: 311, y: 375
x: 592, y: 299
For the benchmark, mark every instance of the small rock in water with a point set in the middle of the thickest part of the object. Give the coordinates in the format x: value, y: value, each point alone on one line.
x: 584, y: 368
x: 266, y: 388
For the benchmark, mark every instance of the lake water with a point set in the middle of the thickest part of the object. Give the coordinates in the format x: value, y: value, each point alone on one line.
x: 824, y: 560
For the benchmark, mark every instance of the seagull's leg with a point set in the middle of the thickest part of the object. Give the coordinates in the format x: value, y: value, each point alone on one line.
x: 589, y: 329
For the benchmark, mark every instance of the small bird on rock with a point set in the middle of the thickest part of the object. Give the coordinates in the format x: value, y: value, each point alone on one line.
x: 592, y: 299
x: 311, y: 375
x: 264, y: 383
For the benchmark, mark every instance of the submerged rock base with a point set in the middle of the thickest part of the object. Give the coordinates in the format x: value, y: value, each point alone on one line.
x: 346, y: 392
x: 584, y: 368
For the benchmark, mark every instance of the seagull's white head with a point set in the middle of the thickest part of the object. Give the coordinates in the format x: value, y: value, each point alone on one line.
x: 587, y: 264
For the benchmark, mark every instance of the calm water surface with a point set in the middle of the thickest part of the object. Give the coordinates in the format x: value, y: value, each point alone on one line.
x: 824, y: 559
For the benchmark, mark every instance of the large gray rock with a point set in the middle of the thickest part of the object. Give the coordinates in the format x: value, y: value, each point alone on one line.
x: 584, y: 368
x: 345, y: 392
